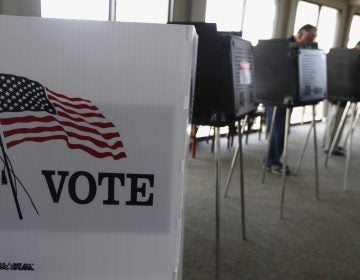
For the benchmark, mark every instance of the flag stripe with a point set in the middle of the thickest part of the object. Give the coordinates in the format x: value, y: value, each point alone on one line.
x: 48, y: 119
x: 87, y: 149
x: 75, y: 106
x: 101, y: 144
x: 66, y: 97
x: 98, y: 124
x: 88, y: 115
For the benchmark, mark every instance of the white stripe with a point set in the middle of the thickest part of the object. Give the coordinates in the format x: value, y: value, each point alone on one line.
x: 59, y: 118
x: 70, y: 139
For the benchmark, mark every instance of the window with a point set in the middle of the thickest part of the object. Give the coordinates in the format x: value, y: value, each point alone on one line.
x: 325, y: 18
x: 75, y: 9
x: 253, y: 31
x: 229, y: 16
x: 306, y: 13
x: 154, y: 11
x: 354, y: 35
x: 327, y: 24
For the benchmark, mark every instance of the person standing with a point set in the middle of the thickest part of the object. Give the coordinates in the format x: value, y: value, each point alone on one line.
x: 305, y: 35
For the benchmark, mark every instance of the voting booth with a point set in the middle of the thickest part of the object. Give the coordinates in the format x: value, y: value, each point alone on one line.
x: 224, y: 86
x: 343, y: 74
x: 289, y: 73
x: 91, y: 189
x: 344, y: 85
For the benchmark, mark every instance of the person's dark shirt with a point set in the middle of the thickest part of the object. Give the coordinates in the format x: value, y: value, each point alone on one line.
x: 292, y: 39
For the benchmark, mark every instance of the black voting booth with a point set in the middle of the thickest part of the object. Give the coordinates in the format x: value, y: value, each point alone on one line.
x: 343, y: 74
x: 288, y: 75
x: 343, y: 66
x: 224, y: 84
x: 224, y: 93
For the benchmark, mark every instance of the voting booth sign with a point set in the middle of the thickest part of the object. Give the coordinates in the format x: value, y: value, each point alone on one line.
x: 93, y: 119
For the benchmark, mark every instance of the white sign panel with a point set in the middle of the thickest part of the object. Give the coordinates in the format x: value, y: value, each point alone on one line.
x: 93, y: 134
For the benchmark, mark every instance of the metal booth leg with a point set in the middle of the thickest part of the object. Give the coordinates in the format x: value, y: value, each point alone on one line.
x: 217, y: 203
x: 337, y: 134
x: 304, y: 148
x: 349, y: 148
x: 269, y: 142
x: 356, y: 121
x: 233, y: 162
x: 242, y: 193
x: 283, y: 178
x: 317, y: 195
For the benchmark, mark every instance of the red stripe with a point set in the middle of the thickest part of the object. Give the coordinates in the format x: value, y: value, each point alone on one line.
x: 89, y: 150
x: 100, y: 144
x: 88, y: 115
x: 47, y: 119
x: 98, y: 124
x: 75, y: 106
x: 66, y: 97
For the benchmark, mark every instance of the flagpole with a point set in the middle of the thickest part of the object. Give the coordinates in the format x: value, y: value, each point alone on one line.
x: 10, y: 179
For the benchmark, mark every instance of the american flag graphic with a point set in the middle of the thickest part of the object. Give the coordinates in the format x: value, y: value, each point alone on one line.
x: 30, y: 112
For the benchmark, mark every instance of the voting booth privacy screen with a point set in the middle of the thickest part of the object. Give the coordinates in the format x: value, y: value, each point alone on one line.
x: 343, y: 74
x: 289, y: 74
x: 224, y: 86
x: 93, y: 145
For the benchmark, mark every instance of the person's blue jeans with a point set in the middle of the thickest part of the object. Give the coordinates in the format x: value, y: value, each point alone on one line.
x: 277, y: 140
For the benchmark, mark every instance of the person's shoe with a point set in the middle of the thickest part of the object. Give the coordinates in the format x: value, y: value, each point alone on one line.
x: 277, y: 169
x: 338, y: 151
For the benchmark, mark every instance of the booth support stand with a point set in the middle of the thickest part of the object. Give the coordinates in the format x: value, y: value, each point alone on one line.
x: 217, y: 203
x: 283, y: 177
x: 269, y: 144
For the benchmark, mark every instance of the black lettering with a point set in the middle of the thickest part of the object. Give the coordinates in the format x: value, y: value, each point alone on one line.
x: 55, y: 194
x: 135, y: 189
x: 72, y: 187
x: 111, y: 186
